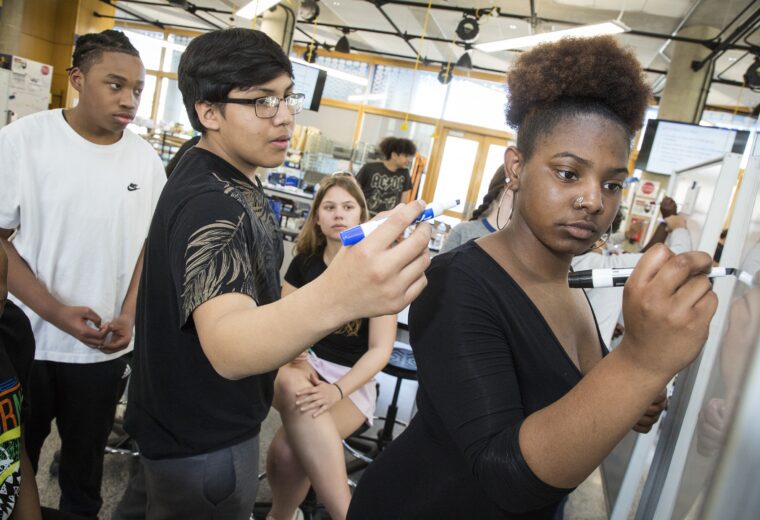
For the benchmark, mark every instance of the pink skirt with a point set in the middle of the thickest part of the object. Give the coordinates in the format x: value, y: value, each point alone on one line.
x: 364, y: 398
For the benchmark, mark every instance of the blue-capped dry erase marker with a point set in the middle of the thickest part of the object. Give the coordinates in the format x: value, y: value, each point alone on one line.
x: 356, y: 234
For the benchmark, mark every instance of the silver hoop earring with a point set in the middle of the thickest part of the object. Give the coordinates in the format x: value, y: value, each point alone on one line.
x: 578, y: 203
x: 498, y: 210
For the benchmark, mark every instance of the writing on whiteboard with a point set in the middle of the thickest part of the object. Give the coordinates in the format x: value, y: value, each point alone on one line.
x: 677, y: 146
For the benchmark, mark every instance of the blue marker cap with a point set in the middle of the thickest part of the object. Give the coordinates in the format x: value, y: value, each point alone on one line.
x: 352, y: 236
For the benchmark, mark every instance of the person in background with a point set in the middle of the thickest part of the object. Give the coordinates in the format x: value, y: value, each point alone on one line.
x: 212, y: 328
x: 497, y: 204
x: 607, y: 302
x: 326, y: 394
x: 387, y: 183
x: 518, y: 399
x: 79, y: 190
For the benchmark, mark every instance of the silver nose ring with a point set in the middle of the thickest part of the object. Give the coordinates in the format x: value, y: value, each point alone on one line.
x: 578, y: 204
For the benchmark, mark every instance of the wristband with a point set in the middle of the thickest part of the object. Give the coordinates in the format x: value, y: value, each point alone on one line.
x: 339, y: 389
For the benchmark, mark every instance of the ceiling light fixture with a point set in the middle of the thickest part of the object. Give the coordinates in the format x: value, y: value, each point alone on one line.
x: 255, y: 7
x: 752, y: 76
x: 309, y: 10
x: 468, y: 28
x: 310, y: 54
x: 343, y: 44
x: 338, y: 74
x: 445, y: 76
x: 583, y: 31
x: 465, y: 61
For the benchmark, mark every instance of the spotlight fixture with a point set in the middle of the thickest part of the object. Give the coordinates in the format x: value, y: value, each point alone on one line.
x: 465, y: 61
x: 310, y: 54
x: 343, y: 44
x: 468, y: 28
x: 309, y: 10
x: 445, y: 76
x: 752, y: 76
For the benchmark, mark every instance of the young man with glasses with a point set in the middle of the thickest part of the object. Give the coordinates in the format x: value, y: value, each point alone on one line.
x: 211, y: 330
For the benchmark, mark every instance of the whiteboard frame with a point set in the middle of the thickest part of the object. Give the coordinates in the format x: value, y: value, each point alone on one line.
x: 661, y: 489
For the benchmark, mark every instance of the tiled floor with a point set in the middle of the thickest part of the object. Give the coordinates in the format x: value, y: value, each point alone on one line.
x: 585, y: 504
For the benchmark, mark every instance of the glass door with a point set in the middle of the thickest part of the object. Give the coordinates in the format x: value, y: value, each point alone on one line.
x: 463, y: 169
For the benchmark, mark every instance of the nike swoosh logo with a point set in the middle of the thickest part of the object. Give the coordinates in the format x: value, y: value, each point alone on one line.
x: 133, y: 187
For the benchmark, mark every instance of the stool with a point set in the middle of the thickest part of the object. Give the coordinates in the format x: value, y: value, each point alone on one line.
x: 401, y: 365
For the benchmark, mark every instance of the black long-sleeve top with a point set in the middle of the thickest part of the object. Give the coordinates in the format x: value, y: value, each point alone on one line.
x: 487, y: 359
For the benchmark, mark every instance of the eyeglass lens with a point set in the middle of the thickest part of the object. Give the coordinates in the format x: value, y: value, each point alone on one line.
x: 267, y: 107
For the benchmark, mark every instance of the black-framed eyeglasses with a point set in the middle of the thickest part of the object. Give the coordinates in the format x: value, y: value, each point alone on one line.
x: 266, y: 107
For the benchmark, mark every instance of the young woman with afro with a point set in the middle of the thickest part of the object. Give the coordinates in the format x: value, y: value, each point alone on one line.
x: 519, y: 400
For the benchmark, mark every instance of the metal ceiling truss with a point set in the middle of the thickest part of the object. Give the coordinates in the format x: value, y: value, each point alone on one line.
x: 716, y: 45
x: 193, y: 9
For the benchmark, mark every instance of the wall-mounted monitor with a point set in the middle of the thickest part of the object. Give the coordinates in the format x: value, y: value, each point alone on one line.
x: 310, y: 81
x: 670, y: 146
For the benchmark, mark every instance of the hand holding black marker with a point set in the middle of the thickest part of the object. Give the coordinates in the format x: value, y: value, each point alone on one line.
x: 611, y: 277
x: 358, y: 233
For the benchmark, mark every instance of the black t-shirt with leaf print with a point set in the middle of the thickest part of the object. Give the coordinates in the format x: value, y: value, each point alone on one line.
x: 212, y: 233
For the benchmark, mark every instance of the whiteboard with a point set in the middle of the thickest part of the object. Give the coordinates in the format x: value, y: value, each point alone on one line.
x: 668, y: 146
x: 687, y: 450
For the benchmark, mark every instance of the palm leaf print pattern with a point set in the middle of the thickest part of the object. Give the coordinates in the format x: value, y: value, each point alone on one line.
x: 220, y: 253
x: 269, y: 249
x: 217, y: 255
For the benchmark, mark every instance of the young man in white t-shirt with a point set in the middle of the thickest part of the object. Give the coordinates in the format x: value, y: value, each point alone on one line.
x: 79, y: 190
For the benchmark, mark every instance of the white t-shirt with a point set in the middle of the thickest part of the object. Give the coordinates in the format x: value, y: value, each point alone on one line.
x: 607, y: 302
x: 82, y: 212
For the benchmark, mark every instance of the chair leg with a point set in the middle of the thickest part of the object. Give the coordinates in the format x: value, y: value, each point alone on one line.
x: 386, y: 434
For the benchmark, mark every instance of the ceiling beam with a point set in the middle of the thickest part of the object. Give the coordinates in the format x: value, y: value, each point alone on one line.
x: 501, y: 14
x: 155, y: 23
x: 748, y: 26
x: 164, y: 24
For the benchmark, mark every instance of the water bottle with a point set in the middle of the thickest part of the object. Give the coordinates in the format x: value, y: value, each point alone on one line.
x: 438, y: 235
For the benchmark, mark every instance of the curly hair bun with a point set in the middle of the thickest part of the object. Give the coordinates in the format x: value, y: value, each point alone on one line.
x: 596, y: 70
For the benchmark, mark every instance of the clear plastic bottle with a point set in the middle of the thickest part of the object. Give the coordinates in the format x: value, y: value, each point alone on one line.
x: 438, y: 235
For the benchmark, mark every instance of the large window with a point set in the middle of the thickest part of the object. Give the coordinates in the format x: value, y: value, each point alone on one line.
x: 345, y: 89
x: 171, y: 109
x: 161, y: 103
x: 465, y: 100
x: 476, y: 102
x: 403, y: 89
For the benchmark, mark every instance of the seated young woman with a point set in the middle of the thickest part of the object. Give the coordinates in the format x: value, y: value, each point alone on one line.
x: 519, y: 401
x: 326, y: 393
